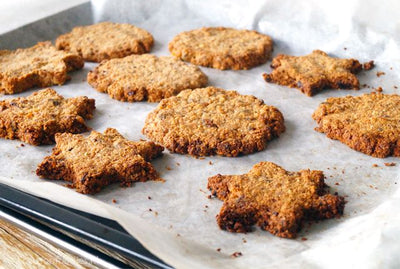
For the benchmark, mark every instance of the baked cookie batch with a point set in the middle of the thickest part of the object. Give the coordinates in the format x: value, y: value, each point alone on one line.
x: 190, y: 118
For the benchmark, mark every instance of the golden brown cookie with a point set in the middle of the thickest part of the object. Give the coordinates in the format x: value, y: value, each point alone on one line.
x: 145, y: 77
x: 369, y: 123
x: 314, y: 72
x: 276, y: 200
x: 210, y: 121
x: 222, y: 48
x: 93, y: 162
x: 37, y: 118
x: 41, y: 65
x: 106, y: 40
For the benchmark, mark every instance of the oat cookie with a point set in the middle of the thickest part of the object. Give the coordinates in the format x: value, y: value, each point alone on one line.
x: 145, y: 77
x: 37, y: 118
x: 276, y: 200
x: 106, y: 40
x: 93, y: 162
x: 314, y: 72
x: 222, y: 48
x: 369, y: 123
x: 41, y: 65
x: 210, y: 121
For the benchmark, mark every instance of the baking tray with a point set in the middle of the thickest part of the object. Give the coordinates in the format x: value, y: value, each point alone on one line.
x: 94, y: 236
x: 100, y: 237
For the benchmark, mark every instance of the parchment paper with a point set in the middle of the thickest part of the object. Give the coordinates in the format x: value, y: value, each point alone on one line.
x: 181, y: 228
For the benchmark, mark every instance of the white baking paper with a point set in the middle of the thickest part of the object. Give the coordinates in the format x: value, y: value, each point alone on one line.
x: 181, y: 228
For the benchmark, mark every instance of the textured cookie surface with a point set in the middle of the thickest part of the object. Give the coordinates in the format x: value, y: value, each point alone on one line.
x: 41, y: 65
x: 145, y: 77
x: 210, y: 121
x: 106, y: 40
x: 37, y: 118
x: 222, y: 48
x: 93, y: 162
x: 314, y: 72
x: 369, y: 123
x: 276, y: 200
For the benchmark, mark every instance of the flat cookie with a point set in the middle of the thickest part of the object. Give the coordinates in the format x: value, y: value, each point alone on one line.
x: 276, y: 200
x: 93, y: 162
x: 106, y: 40
x: 37, y: 118
x: 369, y: 123
x: 145, y: 77
x: 314, y: 72
x: 222, y: 48
x: 41, y: 65
x: 210, y: 121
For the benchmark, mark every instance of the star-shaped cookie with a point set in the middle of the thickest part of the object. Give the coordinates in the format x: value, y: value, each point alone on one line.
x: 369, y: 123
x: 98, y: 160
x: 41, y: 65
x: 37, y: 118
x: 314, y: 72
x: 274, y: 199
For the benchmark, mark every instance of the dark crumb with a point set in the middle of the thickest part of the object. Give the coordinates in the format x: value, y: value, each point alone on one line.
x: 366, y: 86
x: 210, y: 163
x: 170, y: 226
x: 390, y: 164
x: 244, y: 240
x: 236, y: 254
x: 345, y: 48
x: 395, y: 183
x: 156, y: 213
x: 219, y: 249
x: 114, y: 201
x: 204, y: 210
x: 150, y: 209
x: 343, y: 171
x: 337, y: 183
x: 178, y: 235
x: 368, y: 65
x: 168, y: 168
x: 391, y: 68
x: 178, y: 164
x: 304, y: 239
x: 395, y: 87
x: 371, y: 186
x: 206, y: 206
x: 380, y: 73
x: 379, y: 89
x: 375, y: 165
x: 22, y: 145
x: 148, y: 197
x: 209, y: 196
x: 201, y: 158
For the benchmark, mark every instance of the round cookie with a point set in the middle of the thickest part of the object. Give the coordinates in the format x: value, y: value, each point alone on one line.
x: 145, y: 77
x: 106, y: 40
x: 369, y: 123
x: 222, y: 48
x: 210, y: 121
